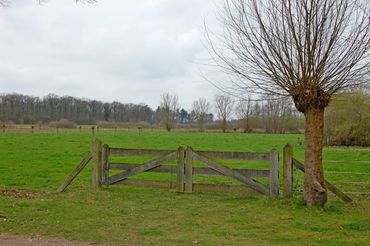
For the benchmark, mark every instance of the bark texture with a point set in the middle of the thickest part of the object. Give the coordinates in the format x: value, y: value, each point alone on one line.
x: 314, y: 188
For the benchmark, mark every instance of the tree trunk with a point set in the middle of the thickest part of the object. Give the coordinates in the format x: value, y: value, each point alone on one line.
x: 314, y: 188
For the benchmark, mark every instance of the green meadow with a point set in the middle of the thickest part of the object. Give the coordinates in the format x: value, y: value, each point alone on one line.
x: 32, y: 166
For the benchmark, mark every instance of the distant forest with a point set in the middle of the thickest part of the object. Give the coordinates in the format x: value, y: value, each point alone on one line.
x: 22, y: 109
x: 270, y: 116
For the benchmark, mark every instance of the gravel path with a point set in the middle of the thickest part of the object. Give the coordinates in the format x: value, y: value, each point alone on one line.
x: 17, y: 240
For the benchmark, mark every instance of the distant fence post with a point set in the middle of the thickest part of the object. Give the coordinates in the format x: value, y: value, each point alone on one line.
x: 105, y: 164
x: 288, y: 170
x: 180, y: 170
x: 97, y: 164
x: 189, y: 170
x: 4, y: 127
x: 274, y: 173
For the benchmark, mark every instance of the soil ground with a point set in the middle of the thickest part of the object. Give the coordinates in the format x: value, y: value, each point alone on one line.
x: 12, y: 240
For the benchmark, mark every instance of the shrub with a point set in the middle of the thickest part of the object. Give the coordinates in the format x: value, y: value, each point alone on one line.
x: 347, y: 120
x: 63, y: 123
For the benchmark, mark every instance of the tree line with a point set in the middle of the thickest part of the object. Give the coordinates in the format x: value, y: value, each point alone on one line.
x: 346, y: 119
x: 23, y: 109
x: 270, y: 115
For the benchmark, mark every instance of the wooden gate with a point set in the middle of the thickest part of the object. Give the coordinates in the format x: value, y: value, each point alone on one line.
x: 184, y: 169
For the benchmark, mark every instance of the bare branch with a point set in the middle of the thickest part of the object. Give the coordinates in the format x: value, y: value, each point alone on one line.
x: 305, y: 49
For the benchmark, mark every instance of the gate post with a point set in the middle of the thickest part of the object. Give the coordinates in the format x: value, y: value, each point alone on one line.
x: 189, y: 170
x: 97, y: 164
x: 105, y: 164
x: 274, y: 173
x: 180, y: 170
x: 288, y: 170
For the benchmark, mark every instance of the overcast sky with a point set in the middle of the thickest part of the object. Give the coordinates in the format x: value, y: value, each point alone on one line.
x: 114, y: 50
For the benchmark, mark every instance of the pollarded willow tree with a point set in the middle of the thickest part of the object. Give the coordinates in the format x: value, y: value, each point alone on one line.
x: 305, y: 49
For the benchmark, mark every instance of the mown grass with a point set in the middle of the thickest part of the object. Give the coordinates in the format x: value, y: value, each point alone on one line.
x: 129, y: 215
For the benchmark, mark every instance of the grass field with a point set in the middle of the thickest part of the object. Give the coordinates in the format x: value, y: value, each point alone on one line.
x: 32, y: 166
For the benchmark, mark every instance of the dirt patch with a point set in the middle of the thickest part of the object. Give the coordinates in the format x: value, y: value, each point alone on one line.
x: 12, y: 240
x: 21, y: 193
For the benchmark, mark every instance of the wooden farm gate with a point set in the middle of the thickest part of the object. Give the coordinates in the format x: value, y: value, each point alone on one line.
x: 184, y: 169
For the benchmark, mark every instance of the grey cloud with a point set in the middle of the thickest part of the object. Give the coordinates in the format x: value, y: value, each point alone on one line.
x: 112, y: 50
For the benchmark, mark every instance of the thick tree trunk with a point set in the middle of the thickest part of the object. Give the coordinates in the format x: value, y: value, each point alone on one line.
x: 314, y: 189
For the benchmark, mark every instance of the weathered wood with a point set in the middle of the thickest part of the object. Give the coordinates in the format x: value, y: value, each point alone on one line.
x: 232, y: 173
x: 232, y: 189
x: 274, y: 173
x: 138, y: 152
x: 189, y: 170
x: 235, y: 155
x: 148, y: 183
x: 105, y: 164
x: 142, y: 168
x: 327, y: 184
x: 75, y: 172
x: 180, y: 170
x: 196, y: 170
x: 288, y: 170
x: 129, y: 166
x: 97, y: 164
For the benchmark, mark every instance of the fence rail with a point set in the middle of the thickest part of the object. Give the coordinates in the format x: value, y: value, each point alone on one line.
x: 290, y: 161
x: 100, y: 155
x: 184, y: 169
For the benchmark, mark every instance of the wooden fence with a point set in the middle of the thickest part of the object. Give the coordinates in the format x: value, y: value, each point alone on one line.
x: 289, y: 162
x: 184, y: 169
x: 102, y: 164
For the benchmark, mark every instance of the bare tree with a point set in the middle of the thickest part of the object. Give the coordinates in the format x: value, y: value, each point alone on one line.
x: 169, y: 107
x: 244, y: 110
x: 224, y: 107
x: 201, y: 109
x: 306, y: 49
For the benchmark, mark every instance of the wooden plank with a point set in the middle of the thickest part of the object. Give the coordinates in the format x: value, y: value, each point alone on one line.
x: 196, y: 170
x: 232, y: 173
x: 327, y: 184
x: 142, y: 168
x: 235, y: 155
x: 274, y: 173
x: 246, y: 172
x: 148, y: 183
x: 97, y: 164
x: 75, y: 172
x: 129, y: 166
x: 180, y: 170
x: 138, y: 152
x: 189, y: 170
x: 231, y: 189
x: 105, y: 163
x: 288, y: 170
x: 210, y: 154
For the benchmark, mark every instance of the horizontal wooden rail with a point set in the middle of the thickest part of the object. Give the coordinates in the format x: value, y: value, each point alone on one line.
x: 328, y: 185
x: 137, y: 152
x: 233, y: 189
x: 142, y: 168
x: 236, y: 155
x: 215, y: 155
x: 232, y: 173
x: 197, y: 171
